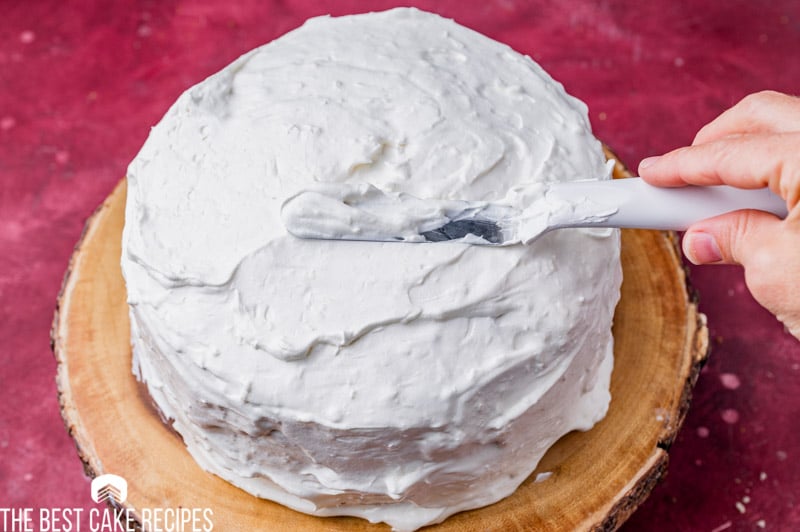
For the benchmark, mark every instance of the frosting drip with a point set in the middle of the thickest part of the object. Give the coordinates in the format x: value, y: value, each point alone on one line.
x: 398, y: 383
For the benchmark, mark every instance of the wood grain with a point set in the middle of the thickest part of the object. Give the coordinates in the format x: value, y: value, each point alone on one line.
x: 598, y: 477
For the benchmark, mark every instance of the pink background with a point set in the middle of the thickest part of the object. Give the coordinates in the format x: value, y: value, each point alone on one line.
x: 82, y: 82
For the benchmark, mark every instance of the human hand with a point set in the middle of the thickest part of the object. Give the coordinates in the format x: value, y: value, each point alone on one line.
x: 754, y: 144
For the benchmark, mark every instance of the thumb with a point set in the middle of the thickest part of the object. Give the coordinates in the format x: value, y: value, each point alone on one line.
x: 767, y: 248
x: 732, y: 238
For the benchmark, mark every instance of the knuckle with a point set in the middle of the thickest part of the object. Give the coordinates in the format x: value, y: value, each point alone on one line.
x: 790, y: 183
x: 759, y: 99
x: 766, y: 101
x: 759, y: 104
x: 741, y: 238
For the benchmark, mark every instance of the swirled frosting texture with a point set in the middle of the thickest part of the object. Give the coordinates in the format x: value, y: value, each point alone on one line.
x: 397, y: 382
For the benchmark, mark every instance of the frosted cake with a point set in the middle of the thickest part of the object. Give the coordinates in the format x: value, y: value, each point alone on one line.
x: 400, y: 383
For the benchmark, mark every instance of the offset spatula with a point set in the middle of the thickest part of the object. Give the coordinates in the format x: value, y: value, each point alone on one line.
x: 363, y: 212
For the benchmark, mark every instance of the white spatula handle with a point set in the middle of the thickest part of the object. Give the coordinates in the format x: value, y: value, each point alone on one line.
x: 641, y: 205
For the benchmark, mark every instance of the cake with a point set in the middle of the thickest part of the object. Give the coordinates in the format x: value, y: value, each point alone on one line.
x: 400, y: 383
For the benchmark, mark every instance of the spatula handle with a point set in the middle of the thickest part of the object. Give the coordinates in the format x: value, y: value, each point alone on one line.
x: 645, y: 206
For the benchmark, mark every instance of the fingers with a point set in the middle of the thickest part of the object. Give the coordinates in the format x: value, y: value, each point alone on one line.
x: 747, y: 161
x: 739, y: 237
x: 762, y: 112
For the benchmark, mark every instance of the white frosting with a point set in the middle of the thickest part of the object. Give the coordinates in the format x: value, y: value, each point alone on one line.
x: 400, y: 383
x: 346, y: 211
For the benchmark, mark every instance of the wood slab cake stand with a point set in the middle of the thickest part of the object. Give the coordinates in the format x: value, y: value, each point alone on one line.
x: 597, y: 480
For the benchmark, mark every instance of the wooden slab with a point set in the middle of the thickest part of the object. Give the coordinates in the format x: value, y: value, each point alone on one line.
x: 598, y: 477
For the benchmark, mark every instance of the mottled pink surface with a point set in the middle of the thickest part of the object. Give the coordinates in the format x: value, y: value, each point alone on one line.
x: 82, y: 82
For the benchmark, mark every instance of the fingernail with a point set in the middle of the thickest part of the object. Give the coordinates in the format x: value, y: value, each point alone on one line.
x: 701, y: 248
x: 649, y: 161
